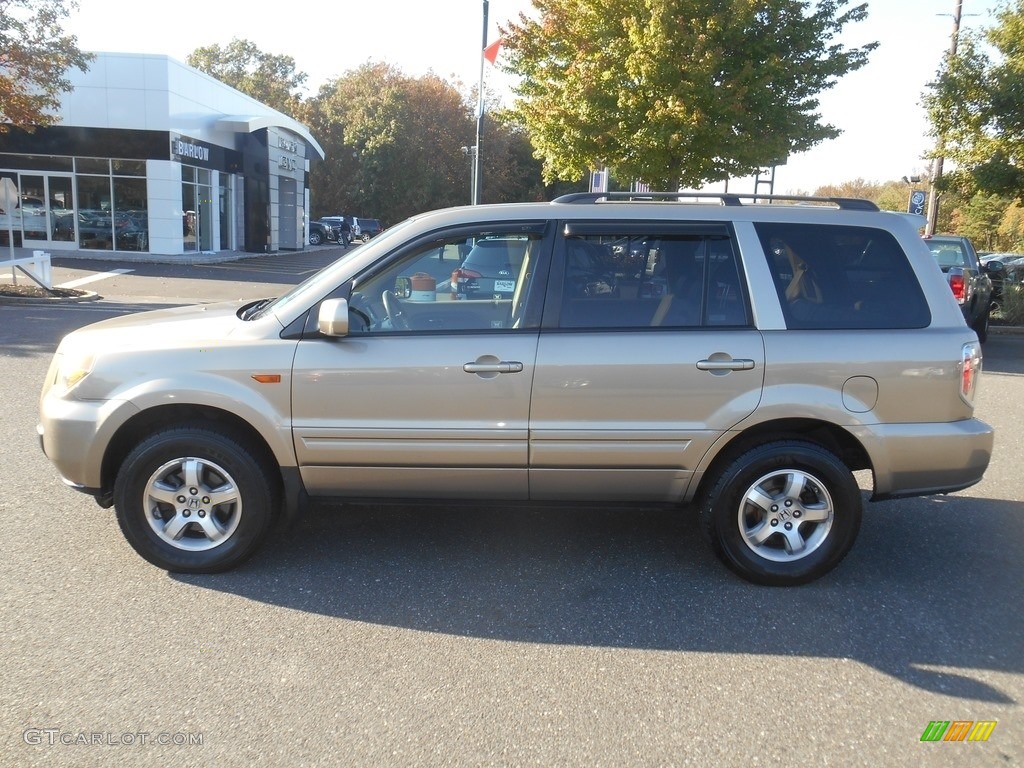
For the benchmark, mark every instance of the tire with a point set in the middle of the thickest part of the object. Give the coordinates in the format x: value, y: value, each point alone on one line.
x: 783, y: 513
x: 981, y: 326
x: 166, y: 499
x: 315, y: 238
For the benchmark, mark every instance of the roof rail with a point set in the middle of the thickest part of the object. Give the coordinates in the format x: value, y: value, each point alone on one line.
x: 726, y: 198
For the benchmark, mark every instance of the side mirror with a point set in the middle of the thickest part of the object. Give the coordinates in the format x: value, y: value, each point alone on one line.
x: 332, y: 320
x: 403, y: 287
x: 994, y: 267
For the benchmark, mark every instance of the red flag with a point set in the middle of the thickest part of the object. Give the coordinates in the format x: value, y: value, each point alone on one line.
x: 491, y: 51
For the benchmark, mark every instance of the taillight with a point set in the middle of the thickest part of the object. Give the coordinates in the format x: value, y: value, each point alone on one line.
x: 959, y: 286
x: 970, y: 369
x: 462, y: 276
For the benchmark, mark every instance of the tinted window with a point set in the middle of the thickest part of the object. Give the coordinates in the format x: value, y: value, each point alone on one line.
x: 842, y: 277
x: 653, y: 280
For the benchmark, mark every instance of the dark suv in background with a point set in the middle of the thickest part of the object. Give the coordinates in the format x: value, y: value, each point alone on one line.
x: 364, y: 229
x: 968, y: 278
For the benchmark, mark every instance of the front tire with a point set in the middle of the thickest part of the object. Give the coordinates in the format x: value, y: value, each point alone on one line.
x: 193, y: 500
x: 783, y: 513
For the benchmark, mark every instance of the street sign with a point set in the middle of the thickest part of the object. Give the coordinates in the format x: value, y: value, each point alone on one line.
x: 917, y: 201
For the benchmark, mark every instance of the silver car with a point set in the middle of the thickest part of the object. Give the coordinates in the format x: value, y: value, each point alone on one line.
x: 740, y: 361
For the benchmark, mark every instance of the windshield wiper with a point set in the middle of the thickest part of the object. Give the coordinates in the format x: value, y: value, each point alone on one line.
x: 253, y: 311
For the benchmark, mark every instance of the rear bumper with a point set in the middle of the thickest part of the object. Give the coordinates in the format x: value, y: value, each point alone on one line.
x: 922, y: 459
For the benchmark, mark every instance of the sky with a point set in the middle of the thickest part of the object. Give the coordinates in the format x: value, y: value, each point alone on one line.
x: 878, y: 108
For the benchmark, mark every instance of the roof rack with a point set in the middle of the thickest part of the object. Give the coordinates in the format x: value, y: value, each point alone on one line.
x: 726, y: 198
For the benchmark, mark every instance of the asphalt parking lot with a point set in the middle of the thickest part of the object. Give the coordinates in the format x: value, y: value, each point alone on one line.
x: 479, y: 636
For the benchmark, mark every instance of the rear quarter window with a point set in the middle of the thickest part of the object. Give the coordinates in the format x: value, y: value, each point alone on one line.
x: 842, y: 277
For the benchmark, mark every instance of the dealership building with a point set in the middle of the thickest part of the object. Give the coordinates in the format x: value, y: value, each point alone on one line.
x: 150, y: 155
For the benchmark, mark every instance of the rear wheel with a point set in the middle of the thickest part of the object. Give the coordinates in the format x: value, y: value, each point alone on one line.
x: 193, y: 500
x: 784, y: 513
x: 315, y: 238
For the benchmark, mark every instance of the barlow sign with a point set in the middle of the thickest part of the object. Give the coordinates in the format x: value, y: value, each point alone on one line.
x: 191, y: 151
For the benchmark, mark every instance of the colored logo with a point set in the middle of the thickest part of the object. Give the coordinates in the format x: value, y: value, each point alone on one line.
x: 958, y: 730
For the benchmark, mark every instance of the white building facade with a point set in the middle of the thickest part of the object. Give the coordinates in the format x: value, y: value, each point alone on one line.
x: 150, y: 155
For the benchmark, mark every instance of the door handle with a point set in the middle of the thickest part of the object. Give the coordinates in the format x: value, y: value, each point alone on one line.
x: 739, y: 364
x: 499, y: 367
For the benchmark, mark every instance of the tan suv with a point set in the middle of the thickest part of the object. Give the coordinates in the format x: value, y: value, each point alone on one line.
x: 743, y: 357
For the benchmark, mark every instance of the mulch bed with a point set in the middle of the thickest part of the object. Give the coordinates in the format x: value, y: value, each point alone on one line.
x: 33, y: 291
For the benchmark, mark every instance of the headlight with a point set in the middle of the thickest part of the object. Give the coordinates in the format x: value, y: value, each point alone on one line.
x: 72, y: 370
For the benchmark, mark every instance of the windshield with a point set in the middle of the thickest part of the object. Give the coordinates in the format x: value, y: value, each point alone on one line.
x: 328, y: 278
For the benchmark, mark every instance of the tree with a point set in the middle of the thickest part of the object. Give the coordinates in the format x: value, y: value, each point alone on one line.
x: 976, y: 107
x: 268, y: 78
x: 677, y: 92
x: 979, y: 218
x: 395, y: 147
x: 1011, y: 228
x: 35, y: 56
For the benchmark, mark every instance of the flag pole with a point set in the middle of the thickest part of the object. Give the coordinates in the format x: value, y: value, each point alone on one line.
x: 479, y: 116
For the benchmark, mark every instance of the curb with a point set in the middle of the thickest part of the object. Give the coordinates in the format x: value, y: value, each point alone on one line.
x: 1007, y: 330
x: 87, y: 296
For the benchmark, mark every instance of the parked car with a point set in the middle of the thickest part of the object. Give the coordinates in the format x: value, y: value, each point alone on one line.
x: 749, y: 359
x: 968, y: 279
x: 490, y: 269
x: 364, y: 229
x: 998, y: 267
x: 342, y: 226
x: 320, y: 233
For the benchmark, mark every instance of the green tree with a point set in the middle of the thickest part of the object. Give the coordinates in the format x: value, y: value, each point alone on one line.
x: 35, y: 56
x: 268, y: 78
x: 976, y: 107
x: 978, y: 219
x: 677, y: 92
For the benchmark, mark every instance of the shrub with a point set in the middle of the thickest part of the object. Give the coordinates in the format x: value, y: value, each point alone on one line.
x: 1011, y: 310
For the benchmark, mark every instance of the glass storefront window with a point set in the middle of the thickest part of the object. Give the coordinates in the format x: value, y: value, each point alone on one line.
x: 95, y: 221
x: 131, y: 215
x: 35, y: 162
x: 129, y: 167
x: 92, y: 165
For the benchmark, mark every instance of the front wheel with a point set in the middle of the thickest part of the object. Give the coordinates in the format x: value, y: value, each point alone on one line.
x: 193, y: 500
x: 783, y: 513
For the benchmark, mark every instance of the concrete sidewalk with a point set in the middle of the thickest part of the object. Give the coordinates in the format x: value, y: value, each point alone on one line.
x: 134, y: 257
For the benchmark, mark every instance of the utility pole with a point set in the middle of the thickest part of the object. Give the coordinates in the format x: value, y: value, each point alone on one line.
x: 933, y: 196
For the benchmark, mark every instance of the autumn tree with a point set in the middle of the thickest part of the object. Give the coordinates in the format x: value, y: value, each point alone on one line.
x: 35, y: 56
x: 976, y: 107
x: 677, y: 92
x: 268, y: 78
x: 395, y: 147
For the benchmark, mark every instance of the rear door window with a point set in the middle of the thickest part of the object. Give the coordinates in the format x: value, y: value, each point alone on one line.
x: 648, y: 276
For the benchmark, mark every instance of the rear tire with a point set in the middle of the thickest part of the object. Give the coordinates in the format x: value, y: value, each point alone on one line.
x: 193, y: 500
x: 315, y: 238
x: 783, y: 513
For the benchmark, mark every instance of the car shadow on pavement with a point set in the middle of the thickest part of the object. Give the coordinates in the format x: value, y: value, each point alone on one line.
x: 929, y: 593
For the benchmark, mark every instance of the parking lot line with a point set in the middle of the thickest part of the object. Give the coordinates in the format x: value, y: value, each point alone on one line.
x: 94, y: 278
